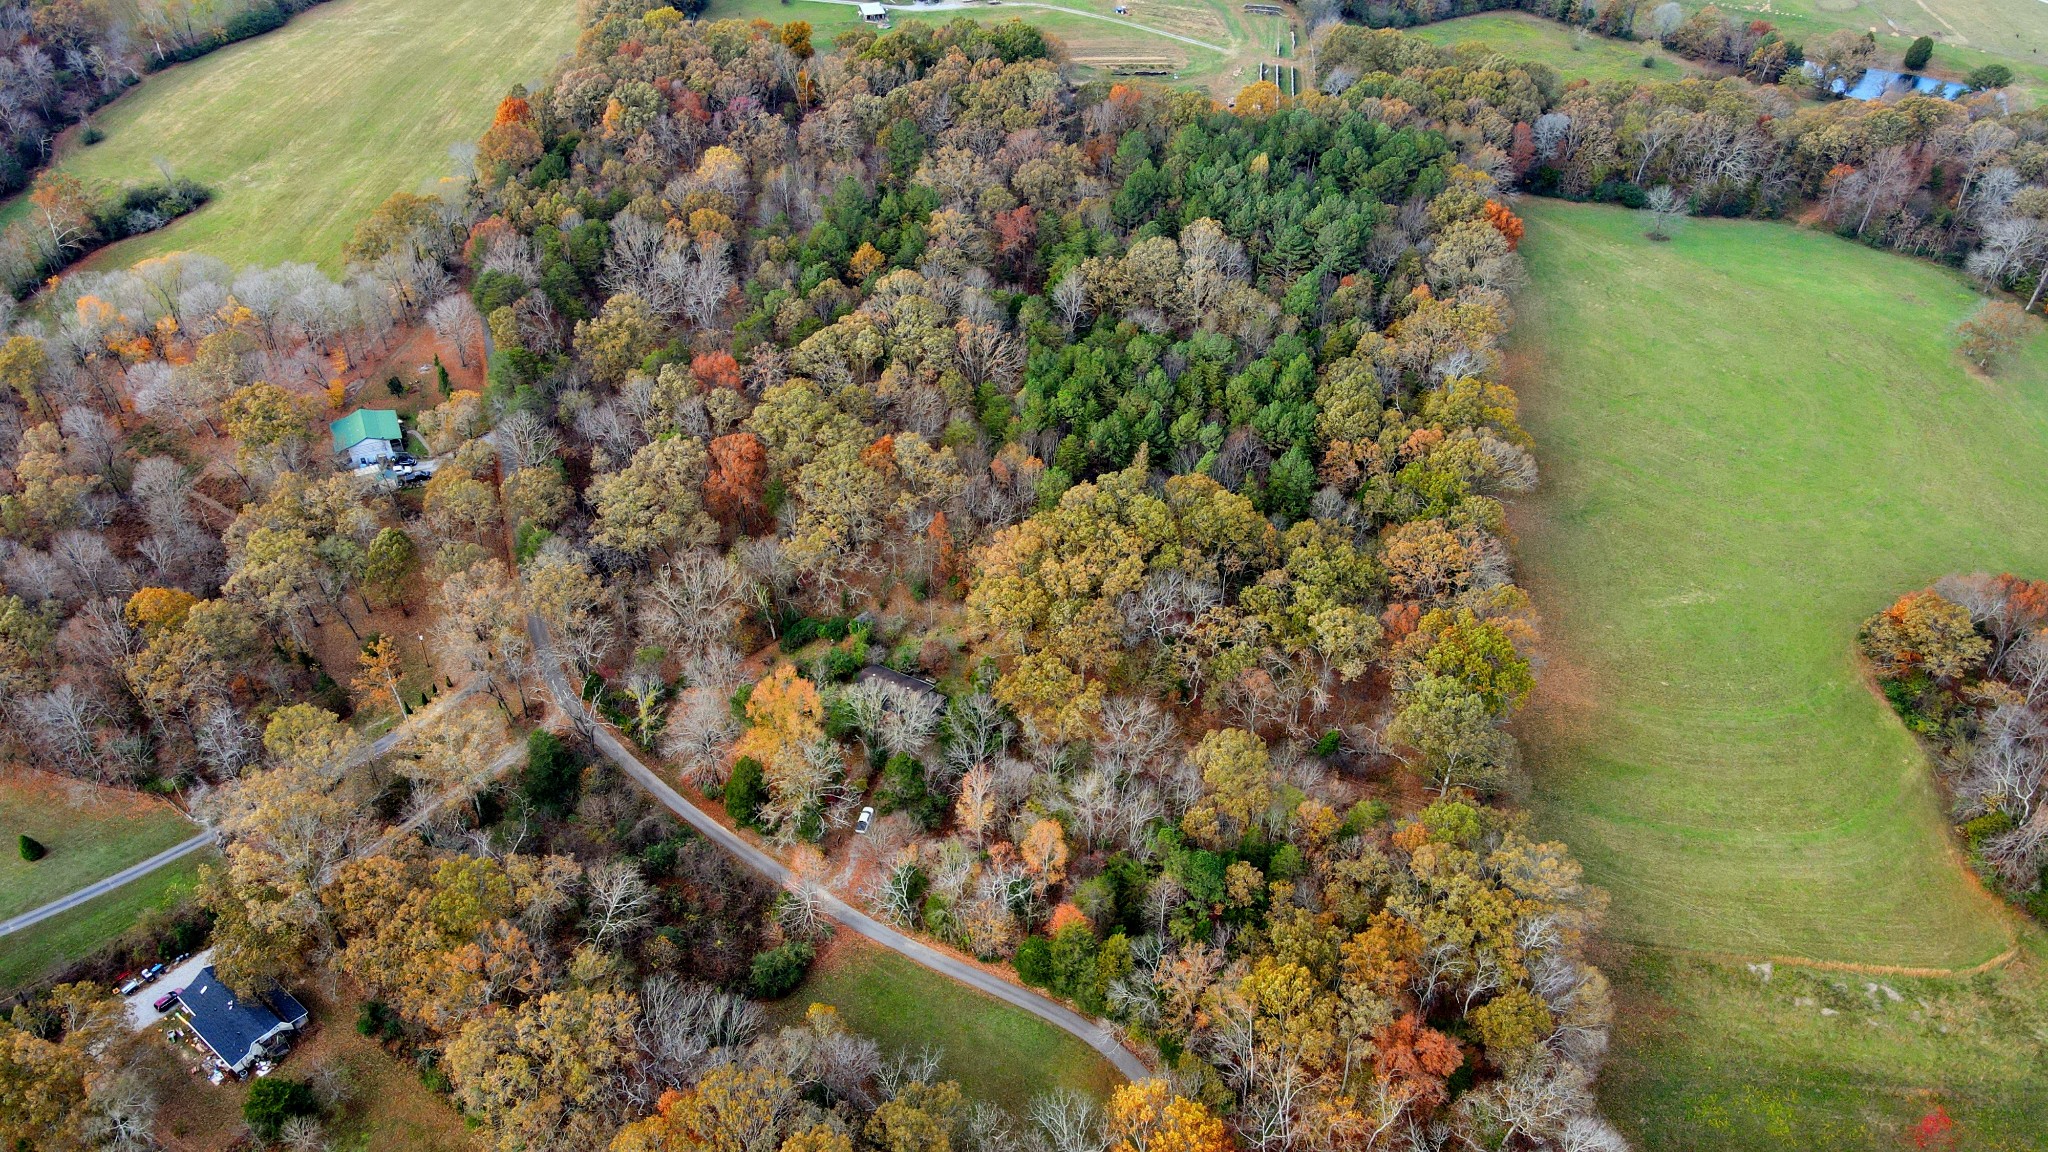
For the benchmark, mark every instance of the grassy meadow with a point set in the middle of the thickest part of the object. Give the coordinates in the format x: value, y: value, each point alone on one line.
x: 301, y: 132
x: 1755, y: 436
x: 1521, y: 36
x: 43, y: 949
x: 1967, y: 33
x: 1211, y: 44
x: 90, y: 833
x: 996, y: 1052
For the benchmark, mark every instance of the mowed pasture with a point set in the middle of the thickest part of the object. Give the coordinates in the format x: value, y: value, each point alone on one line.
x: 1208, y: 44
x: 301, y: 132
x: 1521, y: 36
x: 995, y: 1051
x: 41, y: 951
x: 90, y: 833
x: 1754, y: 436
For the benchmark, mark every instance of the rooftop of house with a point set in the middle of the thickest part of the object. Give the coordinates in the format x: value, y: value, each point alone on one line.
x: 875, y: 673
x: 364, y: 424
x: 231, y: 1025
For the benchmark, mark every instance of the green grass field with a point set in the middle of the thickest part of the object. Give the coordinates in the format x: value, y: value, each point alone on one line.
x: 36, y: 952
x: 303, y: 131
x: 91, y: 833
x: 1967, y: 33
x: 1755, y: 436
x: 995, y: 1051
x: 1227, y: 42
x: 1525, y: 37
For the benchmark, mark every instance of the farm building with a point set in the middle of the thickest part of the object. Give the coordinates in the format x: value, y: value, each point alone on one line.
x: 239, y: 1031
x: 366, y: 436
x: 874, y: 13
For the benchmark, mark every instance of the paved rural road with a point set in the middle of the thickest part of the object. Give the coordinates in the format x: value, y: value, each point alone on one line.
x: 378, y: 747
x: 102, y: 887
x: 1091, y: 1032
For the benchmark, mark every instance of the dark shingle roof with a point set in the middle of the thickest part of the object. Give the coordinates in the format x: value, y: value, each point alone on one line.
x: 875, y: 673
x: 232, y: 1026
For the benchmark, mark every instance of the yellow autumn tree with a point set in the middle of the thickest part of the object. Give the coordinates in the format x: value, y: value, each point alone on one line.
x: 1148, y: 1117
x: 784, y: 713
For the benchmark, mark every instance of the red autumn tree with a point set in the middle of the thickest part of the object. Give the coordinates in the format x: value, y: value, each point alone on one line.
x: 1416, y: 1060
x: 716, y: 370
x: 734, y: 484
x: 1522, y: 149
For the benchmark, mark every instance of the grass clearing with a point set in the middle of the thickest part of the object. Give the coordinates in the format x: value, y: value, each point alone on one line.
x: 995, y: 1051
x: 1711, y: 1056
x: 1967, y: 33
x: 1209, y: 44
x: 1754, y: 436
x: 91, y: 833
x: 301, y: 132
x: 1521, y: 36
x: 43, y: 949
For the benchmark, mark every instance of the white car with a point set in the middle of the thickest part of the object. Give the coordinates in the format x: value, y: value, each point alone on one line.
x: 867, y: 817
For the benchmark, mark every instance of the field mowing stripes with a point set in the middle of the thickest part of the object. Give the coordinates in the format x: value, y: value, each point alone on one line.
x: 301, y: 132
x: 1755, y: 436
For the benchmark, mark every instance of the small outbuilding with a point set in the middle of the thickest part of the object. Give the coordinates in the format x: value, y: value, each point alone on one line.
x: 874, y: 13
x: 367, y: 436
x: 239, y: 1031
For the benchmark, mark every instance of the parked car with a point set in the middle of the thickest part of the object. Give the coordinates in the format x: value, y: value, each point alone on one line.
x: 152, y: 972
x: 867, y: 817
x: 164, y: 1002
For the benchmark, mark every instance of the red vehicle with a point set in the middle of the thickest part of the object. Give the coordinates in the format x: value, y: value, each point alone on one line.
x: 164, y: 1002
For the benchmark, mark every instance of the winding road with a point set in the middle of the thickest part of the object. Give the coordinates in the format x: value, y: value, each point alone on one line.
x: 1093, y: 1033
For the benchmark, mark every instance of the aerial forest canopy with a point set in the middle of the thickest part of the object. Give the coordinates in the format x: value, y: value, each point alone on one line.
x: 1162, y: 443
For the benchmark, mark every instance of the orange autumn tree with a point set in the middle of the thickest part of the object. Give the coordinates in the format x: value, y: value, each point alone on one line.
x: 1414, y: 1060
x: 716, y: 370
x: 1505, y: 222
x: 1148, y: 1117
x: 736, y: 480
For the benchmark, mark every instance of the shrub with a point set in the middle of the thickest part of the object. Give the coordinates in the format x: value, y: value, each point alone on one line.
x: 777, y: 972
x: 274, y: 1100
x: 839, y: 665
x: 91, y: 135
x: 903, y: 790
x: 552, y: 778
x: 1996, y: 822
x: 32, y: 849
x: 1034, y: 961
x: 378, y: 1021
x: 745, y: 792
x: 395, y: 386
x: 1921, y: 51
x: 1988, y: 77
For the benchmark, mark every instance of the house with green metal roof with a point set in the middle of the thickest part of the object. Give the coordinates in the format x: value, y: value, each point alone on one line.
x: 367, y: 436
